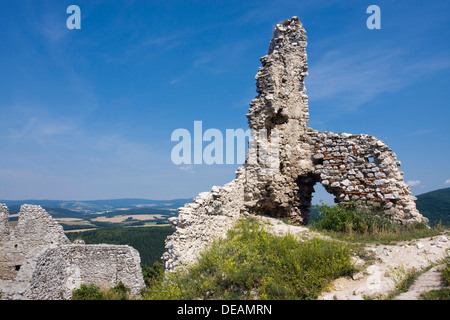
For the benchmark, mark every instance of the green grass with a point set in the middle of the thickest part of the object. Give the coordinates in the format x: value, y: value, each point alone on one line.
x: 356, y: 224
x: 439, y: 294
x: 442, y: 293
x: 251, y: 263
x: 445, y: 271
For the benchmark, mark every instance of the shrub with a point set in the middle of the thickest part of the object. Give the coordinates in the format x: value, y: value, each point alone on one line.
x: 118, y: 292
x: 153, y: 274
x: 350, y: 219
x: 87, y: 292
x: 372, y: 224
x: 252, y: 263
x: 93, y: 292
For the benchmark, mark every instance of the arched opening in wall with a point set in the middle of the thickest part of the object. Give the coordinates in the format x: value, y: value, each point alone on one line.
x: 320, y: 196
x: 305, y: 193
x: 310, y: 193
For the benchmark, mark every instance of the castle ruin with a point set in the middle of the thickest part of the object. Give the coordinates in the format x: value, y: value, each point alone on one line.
x: 358, y: 168
x: 38, y: 261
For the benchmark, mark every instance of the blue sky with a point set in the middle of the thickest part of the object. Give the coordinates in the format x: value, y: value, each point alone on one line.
x: 88, y: 114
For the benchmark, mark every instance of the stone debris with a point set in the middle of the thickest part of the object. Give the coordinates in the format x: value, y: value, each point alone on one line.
x: 38, y: 262
x: 286, y: 159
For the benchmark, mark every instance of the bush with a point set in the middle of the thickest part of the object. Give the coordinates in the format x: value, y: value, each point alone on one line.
x: 254, y: 264
x: 350, y: 219
x: 90, y: 292
x: 153, y: 274
x: 118, y: 292
x: 93, y: 292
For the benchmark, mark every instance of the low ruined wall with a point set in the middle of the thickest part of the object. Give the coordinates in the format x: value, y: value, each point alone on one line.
x: 61, y: 269
x: 21, y: 245
x: 37, y: 260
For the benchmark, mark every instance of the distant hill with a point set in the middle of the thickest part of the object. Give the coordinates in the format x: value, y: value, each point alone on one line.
x: 73, y: 215
x: 435, y: 205
x: 100, y: 206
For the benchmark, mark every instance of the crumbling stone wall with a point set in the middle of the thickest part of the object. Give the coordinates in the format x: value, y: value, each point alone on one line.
x: 61, y: 269
x: 280, y: 115
x: 37, y: 260
x: 209, y: 216
x: 286, y: 159
x: 362, y: 169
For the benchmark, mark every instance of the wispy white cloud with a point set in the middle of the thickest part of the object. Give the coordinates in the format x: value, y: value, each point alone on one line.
x: 413, y: 183
x: 43, y: 131
x: 188, y: 169
x: 223, y: 58
x: 447, y: 181
x: 421, y: 132
x: 352, y: 78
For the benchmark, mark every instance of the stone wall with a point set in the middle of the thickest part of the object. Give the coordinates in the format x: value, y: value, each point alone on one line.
x: 286, y: 159
x: 362, y: 169
x: 280, y: 114
x: 61, y: 269
x: 37, y: 260
x: 209, y: 216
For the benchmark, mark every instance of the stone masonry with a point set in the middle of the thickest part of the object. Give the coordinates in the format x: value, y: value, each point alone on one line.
x: 286, y: 158
x: 37, y: 260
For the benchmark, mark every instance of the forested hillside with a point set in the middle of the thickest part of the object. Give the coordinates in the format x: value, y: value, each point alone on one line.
x: 435, y: 205
x: 148, y: 241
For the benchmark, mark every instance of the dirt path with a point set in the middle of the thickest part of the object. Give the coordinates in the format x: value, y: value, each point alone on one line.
x: 430, y: 280
x: 392, y: 264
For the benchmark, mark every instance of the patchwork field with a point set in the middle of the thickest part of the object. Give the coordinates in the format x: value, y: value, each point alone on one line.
x: 122, y: 218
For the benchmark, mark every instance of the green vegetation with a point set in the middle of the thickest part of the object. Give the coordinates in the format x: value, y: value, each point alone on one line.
x: 152, y: 275
x: 360, y: 224
x: 442, y: 293
x: 446, y: 271
x: 404, y: 280
x: 435, y: 205
x: 93, y: 292
x: 148, y: 241
x: 251, y: 263
x: 439, y: 294
x: 87, y: 292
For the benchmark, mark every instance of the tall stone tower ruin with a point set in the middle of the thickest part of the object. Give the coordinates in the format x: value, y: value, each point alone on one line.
x: 286, y: 159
